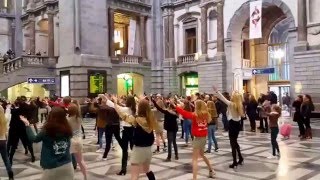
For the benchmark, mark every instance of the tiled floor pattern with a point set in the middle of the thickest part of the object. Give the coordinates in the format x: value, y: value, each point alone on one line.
x: 300, y: 160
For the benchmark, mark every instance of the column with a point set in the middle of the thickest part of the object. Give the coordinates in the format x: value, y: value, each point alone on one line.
x: 204, y: 30
x: 13, y: 36
x: 32, y: 34
x: 302, y: 23
x: 50, y: 14
x: 220, y: 29
x: 171, y: 34
x: 111, y: 32
x: 143, y: 36
x: 166, y: 36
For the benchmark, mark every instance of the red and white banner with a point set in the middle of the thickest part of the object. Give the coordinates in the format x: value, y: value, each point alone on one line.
x: 255, y: 19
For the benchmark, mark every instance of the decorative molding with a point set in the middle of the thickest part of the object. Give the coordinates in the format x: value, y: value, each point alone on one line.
x: 315, y: 31
x: 131, y: 7
x: 187, y: 15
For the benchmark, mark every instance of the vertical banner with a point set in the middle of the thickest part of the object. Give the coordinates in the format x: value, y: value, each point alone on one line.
x: 255, y: 19
x: 132, y: 36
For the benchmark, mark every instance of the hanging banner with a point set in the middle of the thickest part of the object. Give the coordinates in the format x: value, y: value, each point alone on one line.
x: 132, y: 36
x: 255, y: 19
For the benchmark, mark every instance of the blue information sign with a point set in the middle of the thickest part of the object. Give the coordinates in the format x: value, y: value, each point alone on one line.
x: 46, y: 80
x: 263, y: 71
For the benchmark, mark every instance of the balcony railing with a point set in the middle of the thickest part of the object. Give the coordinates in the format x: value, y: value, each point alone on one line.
x: 246, y: 63
x: 142, y: 1
x: 187, y: 59
x: 129, y: 59
x: 24, y: 61
x: 3, y: 10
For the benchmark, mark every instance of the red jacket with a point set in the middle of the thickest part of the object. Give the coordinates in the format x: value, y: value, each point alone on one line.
x: 56, y: 104
x: 199, y: 127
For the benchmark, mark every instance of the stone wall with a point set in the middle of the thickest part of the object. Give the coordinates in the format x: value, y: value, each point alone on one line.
x: 307, y: 73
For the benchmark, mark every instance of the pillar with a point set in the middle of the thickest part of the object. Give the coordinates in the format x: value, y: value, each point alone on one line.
x: 171, y: 34
x: 302, y: 25
x: 204, y: 30
x: 32, y: 33
x: 220, y: 29
x: 143, y: 36
x: 13, y: 36
x: 50, y: 14
x: 111, y: 32
x: 166, y: 36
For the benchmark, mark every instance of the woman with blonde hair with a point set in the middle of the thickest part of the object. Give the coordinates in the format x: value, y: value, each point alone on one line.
x: 143, y: 138
x: 234, y: 113
x: 3, y: 143
x: 76, y: 142
x: 76, y: 102
x: 199, y: 128
x: 212, y: 126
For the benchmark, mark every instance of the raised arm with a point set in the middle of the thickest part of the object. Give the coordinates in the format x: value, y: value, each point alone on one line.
x: 31, y: 136
x: 158, y: 107
x: 124, y: 116
x: 184, y: 113
x: 222, y: 98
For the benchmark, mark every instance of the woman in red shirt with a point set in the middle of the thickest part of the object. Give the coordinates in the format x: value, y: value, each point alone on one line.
x: 199, y: 129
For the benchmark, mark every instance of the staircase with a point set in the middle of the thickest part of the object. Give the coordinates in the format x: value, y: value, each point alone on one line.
x: 18, y: 70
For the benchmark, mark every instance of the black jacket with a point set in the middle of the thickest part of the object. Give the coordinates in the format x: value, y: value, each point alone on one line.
x: 306, y: 109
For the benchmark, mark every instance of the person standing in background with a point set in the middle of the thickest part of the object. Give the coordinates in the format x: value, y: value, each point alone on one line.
x: 251, y: 110
x: 159, y: 130
x: 306, y: 109
x: 297, y: 117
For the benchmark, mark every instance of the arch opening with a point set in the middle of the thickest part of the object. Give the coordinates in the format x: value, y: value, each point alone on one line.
x: 130, y: 84
x: 246, y: 54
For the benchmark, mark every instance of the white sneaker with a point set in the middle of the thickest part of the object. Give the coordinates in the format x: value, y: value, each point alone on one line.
x: 272, y: 157
x: 100, y: 150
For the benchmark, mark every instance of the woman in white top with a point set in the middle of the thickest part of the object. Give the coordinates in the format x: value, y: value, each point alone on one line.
x: 127, y: 133
x: 76, y: 141
x: 3, y: 143
x: 234, y: 113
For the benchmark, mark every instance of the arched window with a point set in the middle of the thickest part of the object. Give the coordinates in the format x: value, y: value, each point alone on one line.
x: 212, y: 25
x: 277, y: 52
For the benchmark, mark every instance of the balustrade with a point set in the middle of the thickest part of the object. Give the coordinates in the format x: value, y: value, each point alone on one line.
x: 186, y: 59
x: 129, y: 59
x: 24, y: 61
x: 246, y: 63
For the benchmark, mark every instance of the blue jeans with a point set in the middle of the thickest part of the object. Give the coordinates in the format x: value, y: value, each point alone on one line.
x: 212, y: 137
x: 5, y: 158
x: 225, y: 122
x: 187, y: 129
x: 100, y: 135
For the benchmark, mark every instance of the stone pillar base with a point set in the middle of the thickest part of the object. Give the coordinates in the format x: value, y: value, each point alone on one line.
x: 301, y: 46
x: 203, y: 57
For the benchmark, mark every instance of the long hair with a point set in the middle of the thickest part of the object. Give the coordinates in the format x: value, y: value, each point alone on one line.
x: 144, y: 110
x: 252, y: 99
x: 57, y: 123
x: 276, y: 108
x: 76, y: 103
x: 73, y: 111
x: 131, y: 103
x: 212, y: 109
x: 3, y: 122
x: 187, y: 106
x: 201, y: 111
x: 237, y: 104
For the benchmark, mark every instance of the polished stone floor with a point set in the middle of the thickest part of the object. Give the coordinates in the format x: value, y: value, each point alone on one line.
x: 300, y: 160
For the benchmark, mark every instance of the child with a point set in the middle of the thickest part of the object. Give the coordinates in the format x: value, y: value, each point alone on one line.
x: 274, y: 115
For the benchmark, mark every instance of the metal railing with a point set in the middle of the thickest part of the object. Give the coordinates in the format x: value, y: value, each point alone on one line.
x: 25, y: 61
x: 187, y: 59
x: 129, y: 59
x: 246, y: 63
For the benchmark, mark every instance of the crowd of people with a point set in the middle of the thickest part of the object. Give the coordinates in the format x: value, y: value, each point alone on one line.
x: 137, y: 123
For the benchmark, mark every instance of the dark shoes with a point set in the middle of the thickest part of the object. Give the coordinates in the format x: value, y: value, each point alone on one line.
x: 122, y: 172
